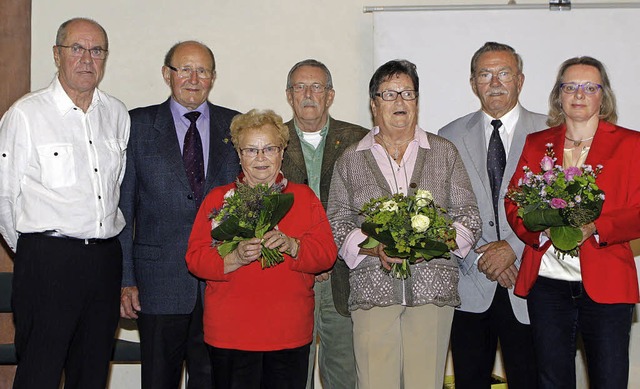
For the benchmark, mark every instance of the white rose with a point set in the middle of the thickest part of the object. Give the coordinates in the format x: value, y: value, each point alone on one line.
x: 390, y: 206
x: 423, y: 198
x: 420, y: 223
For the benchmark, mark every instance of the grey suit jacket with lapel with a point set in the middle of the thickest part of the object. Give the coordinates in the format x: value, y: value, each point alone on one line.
x: 467, y: 133
x: 159, y: 208
x: 339, y: 137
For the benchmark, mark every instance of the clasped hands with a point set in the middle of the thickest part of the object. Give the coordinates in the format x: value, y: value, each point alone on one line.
x: 249, y: 250
x: 497, y: 263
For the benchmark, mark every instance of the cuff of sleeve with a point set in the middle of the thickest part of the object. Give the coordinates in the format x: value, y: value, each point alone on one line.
x: 350, y: 252
x: 464, y: 239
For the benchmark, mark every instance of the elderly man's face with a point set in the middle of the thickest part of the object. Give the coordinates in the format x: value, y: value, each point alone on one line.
x: 192, y: 91
x: 80, y: 74
x: 497, y: 97
x: 310, y: 106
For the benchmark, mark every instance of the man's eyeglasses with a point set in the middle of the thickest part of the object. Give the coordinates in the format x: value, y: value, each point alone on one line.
x: 315, y: 87
x: 392, y: 95
x: 486, y: 77
x: 588, y: 88
x: 252, y: 152
x: 78, y: 51
x: 186, y: 72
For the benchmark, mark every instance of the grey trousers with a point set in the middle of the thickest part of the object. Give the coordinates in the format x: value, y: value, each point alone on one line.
x: 335, y: 353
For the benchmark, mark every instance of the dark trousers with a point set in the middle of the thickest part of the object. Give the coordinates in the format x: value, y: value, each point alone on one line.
x: 474, y: 339
x: 166, y: 342
x: 559, y: 310
x: 66, y: 301
x: 282, y: 369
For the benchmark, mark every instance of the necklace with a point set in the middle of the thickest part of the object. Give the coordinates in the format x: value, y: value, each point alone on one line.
x: 396, y: 153
x: 577, y: 143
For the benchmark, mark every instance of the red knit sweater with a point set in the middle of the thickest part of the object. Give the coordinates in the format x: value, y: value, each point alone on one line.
x: 253, y: 309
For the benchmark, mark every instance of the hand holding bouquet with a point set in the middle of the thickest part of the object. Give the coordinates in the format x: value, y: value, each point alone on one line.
x: 249, y: 212
x: 411, y: 227
x: 558, y: 199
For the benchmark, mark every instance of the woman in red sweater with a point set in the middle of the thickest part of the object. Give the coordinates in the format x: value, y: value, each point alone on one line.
x: 258, y: 323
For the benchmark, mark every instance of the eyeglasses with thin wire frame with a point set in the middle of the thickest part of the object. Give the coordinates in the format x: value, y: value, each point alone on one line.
x: 252, y: 152
x: 187, y: 71
x: 77, y: 50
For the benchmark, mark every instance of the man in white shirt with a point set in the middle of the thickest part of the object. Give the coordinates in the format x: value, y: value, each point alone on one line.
x: 62, y: 159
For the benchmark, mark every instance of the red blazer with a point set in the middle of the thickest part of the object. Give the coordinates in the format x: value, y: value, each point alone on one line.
x: 608, y: 268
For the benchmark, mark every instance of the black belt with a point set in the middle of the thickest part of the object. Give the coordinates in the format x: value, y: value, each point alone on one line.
x: 57, y: 235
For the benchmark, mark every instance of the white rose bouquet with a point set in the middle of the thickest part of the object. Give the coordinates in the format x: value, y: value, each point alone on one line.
x: 411, y: 227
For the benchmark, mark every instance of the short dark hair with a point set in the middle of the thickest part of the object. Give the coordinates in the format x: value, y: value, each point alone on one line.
x: 393, y: 68
x: 169, y: 56
x: 63, y: 30
x: 494, y: 46
x: 313, y: 63
x: 608, y: 108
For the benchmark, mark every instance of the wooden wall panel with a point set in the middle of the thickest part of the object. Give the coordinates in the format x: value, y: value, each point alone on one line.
x: 15, y: 78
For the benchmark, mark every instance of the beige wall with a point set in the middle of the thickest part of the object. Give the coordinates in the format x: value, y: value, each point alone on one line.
x: 255, y: 43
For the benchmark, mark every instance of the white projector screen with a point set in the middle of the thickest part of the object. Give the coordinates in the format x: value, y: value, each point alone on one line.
x: 442, y: 42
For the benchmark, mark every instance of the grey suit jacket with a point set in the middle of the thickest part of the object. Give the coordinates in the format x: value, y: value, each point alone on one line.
x: 467, y: 133
x: 159, y: 208
x: 340, y: 135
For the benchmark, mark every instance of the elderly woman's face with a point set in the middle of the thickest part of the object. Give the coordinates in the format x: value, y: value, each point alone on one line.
x: 398, y: 114
x: 260, y: 151
x: 581, y: 106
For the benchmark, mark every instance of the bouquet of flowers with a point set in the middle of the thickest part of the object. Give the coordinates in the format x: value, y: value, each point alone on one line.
x: 249, y: 212
x: 411, y: 228
x: 559, y: 199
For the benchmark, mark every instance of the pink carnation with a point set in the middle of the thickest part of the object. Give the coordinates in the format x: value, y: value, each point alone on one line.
x: 557, y: 203
x: 549, y: 176
x: 572, y: 172
x: 547, y: 163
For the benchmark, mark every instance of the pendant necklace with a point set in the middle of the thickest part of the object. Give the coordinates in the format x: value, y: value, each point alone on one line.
x: 404, y: 166
x: 577, y: 143
x: 396, y: 153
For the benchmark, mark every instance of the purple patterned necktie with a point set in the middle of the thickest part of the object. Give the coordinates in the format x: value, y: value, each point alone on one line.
x: 496, y: 161
x: 193, y: 158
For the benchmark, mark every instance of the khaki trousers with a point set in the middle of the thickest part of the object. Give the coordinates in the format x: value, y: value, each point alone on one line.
x: 401, y: 347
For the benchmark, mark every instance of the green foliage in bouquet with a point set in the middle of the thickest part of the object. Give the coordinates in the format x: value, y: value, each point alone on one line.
x: 559, y: 199
x: 411, y: 228
x: 249, y: 212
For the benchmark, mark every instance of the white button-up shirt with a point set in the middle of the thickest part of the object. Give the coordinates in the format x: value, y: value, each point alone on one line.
x: 61, y: 168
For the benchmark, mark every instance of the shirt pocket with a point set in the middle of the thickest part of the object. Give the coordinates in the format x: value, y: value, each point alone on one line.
x: 57, y: 165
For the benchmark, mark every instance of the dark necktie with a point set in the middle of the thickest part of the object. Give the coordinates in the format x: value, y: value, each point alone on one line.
x: 193, y: 158
x: 496, y: 161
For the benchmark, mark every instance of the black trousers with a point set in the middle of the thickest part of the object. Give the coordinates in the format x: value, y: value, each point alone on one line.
x: 281, y: 369
x: 66, y: 304
x: 166, y: 342
x: 474, y: 339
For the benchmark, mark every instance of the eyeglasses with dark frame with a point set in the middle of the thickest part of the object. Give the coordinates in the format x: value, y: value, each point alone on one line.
x: 252, y: 152
x: 588, y: 88
x: 392, y: 95
x: 186, y: 72
x: 78, y: 51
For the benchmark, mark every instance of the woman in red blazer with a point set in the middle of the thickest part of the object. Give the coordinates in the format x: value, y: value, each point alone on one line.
x: 593, y: 294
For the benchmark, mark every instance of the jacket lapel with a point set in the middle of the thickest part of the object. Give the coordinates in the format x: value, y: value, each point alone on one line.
x: 294, y: 156
x: 168, y: 142
x: 219, y: 139
x: 475, y: 143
